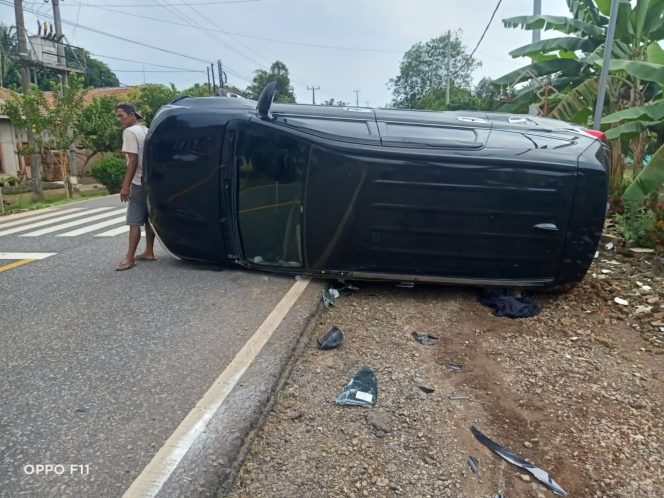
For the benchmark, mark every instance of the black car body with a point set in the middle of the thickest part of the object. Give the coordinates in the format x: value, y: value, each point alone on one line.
x: 355, y: 193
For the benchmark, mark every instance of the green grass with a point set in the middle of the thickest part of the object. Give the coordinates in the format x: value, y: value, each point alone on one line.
x: 51, y: 198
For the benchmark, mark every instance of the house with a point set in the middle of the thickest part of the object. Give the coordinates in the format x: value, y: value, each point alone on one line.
x: 11, y: 139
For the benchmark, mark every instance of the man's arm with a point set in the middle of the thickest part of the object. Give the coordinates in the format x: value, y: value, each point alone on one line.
x: 132, y: 164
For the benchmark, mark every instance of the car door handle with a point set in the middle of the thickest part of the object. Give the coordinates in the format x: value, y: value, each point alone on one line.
x: 551, y: 227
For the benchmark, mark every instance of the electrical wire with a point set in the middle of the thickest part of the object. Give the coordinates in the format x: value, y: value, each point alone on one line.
x: 154, y: 4
x: 470, y: 57
x: 157, y: 71
x: 141, y: 62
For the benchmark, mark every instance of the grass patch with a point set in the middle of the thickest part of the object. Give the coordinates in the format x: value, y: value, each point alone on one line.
x: 18, y: 202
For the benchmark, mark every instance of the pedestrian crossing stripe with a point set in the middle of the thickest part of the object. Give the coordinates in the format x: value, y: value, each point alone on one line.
x: 39, y: 223
x: 74, y: 223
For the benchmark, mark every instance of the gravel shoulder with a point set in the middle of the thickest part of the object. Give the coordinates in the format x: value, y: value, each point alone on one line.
x: 576, y: 390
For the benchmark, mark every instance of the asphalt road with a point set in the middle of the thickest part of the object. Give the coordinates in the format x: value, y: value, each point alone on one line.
x: 99, y: 368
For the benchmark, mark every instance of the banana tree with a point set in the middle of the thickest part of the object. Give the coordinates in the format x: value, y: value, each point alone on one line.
x: 578, y: 58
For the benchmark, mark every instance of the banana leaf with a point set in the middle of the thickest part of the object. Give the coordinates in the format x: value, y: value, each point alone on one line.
x: 585, y: 10
x: 568, y: 67
x: 649, y: 180
x: 569, y: 43
x: 558, y: 23
x: 646, y: 13
x: 655, y: 54
x: 581, y: 97
x: 628, y: 130
x: 652, y: 112
x: 639, y: 69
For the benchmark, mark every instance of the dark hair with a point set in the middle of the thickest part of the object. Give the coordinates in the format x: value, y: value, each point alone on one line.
x: 129, y: 108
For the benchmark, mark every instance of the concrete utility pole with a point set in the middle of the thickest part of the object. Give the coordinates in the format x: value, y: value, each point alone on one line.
x: 604, y: 75
x: 214, y: 83
x: 449, y: 57
x: 35, y: 166
x: 313, y: 93
x: 537, y: 11
x: 209, y: 84
x: 357, y: 97
x: 62, y: 63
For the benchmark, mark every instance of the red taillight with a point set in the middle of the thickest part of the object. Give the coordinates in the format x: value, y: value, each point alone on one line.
x: 596, y: 134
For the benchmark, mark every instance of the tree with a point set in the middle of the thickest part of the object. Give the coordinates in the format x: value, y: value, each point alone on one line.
x: 487, y: 95
x: 571, y: 65
x: 149, y: 98
x: 9, y: 74
x: 339, y: 103
x: 279, y: 73
x: 423, y: 69
x: 50, y: 122
x: 98, y: 74
x: 97, y: 128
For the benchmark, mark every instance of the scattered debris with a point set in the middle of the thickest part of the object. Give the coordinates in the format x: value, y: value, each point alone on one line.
x: 621, y: 301
x: 506, y: 303
x: 609, y: 246
x: 332, y: 339
x: 329, y: 296
x: 458, y: 398
x: 454, y: 366
x: 427, y: 340
x: 539, y: 474
x: 641, y: 251
x: 379, y: 421
x: 474, y: 464
x: 426, y: 390
x: 361, y: 390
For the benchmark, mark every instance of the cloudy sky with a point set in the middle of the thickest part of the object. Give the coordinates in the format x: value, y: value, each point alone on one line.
x: 339, y: 45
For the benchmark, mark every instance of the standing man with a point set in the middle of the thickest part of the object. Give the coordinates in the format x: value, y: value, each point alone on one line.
x: 133, y: 138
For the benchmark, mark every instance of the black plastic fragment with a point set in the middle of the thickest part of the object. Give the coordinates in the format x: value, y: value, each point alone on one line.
x: 454, y: 366
x: 427, y: 340
x: 474, y: 464
x: 333, y: 338
x: 539, y: 474
x: 427, y: 390
x: 361, y: 390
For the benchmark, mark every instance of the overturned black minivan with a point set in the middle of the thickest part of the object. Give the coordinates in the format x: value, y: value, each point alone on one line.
x: 476, y: 198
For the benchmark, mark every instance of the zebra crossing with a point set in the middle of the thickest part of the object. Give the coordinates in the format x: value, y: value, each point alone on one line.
x: 67, y: 222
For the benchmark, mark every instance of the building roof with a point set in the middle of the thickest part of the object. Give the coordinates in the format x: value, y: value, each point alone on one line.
x: 5, y: 94
x: 120, y: 92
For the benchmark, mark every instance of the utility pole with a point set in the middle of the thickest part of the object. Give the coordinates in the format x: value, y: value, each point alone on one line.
x: 214, y: 83
x: 449, y: 57
x: 35, y: 167
x: 209, y: 84
x: 357, y: 97
x: 313, y: 93
x: 222, y: 75
x: 604, y: 75
x: 537, y: 11
x: 62, y: 63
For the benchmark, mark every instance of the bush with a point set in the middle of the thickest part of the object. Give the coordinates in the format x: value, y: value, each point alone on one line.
x: 638, y: 225
x: 110, y: 172
x: 11, y: 181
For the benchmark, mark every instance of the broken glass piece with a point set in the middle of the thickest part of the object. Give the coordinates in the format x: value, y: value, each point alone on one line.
x: 361, y: 390
x: 328, y: 298
x: 474, y: 464
x: 539, y: 474
x: 455, y: 366
x: 427, y: 340
x: 332, y: 338
x: 620, y: 301
x: 427, y: 390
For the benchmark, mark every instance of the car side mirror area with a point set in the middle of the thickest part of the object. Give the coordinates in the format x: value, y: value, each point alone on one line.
x: 265, y: 100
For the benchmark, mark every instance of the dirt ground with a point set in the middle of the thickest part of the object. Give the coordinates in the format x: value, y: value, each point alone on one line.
x: 576, y: 390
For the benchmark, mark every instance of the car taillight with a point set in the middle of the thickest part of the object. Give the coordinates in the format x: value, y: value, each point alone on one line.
x: 597, y: 134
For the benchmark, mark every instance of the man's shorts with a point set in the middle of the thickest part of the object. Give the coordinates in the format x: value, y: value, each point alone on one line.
x: 137, y: 210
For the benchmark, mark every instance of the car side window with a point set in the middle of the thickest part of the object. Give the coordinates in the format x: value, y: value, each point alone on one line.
x: 271, y: 170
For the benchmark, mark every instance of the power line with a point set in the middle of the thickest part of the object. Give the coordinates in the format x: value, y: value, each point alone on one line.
x: 480, y: 40
x: 142, y: 62
x: 155, y: 4
x: 156, y: 71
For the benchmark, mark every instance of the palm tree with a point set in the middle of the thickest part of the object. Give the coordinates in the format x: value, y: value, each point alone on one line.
x: 8, y: 44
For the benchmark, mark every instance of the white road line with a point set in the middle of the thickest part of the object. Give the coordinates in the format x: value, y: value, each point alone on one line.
x: 92, y: 228
x: 26, y: 255
x: 35, y: 217
x: 74, y: 223
x: 162, y: 465
x: 49, y: 222
x: 114, y: 232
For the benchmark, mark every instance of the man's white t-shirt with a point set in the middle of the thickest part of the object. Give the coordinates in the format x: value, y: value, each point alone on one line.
x: 133, y: 139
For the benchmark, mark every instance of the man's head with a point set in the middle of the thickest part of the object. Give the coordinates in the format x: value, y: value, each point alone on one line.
x: 126, y: 114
